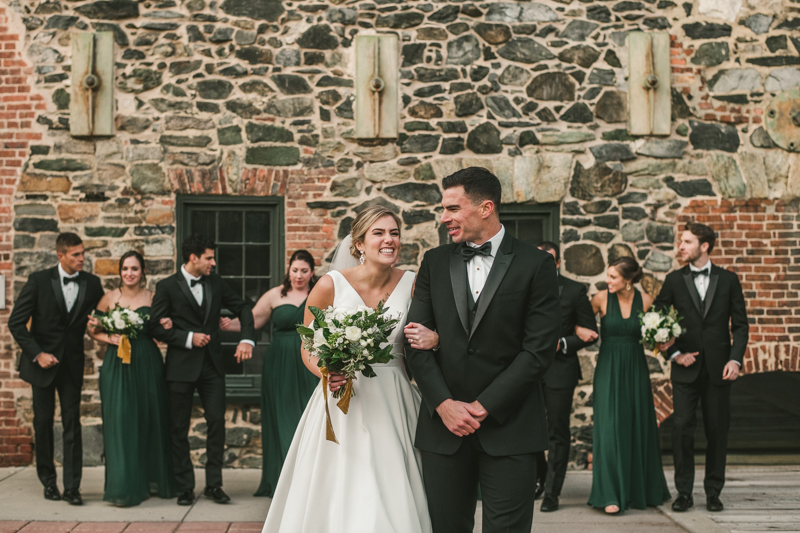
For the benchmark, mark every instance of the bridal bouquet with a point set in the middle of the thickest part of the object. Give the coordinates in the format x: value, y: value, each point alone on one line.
x: 347, y: 341
x: 659, y: 327
x: 124, y: 322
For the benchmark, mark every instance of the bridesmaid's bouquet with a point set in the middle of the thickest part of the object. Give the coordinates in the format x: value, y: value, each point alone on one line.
x: 348, y: 341
x: 659, y: 327
x: 124, y: 322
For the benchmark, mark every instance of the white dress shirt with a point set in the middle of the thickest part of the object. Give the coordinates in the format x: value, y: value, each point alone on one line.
x: 701, y: 282
x: 197, y: 292
x: 479, y: 266
x: 69, y: 290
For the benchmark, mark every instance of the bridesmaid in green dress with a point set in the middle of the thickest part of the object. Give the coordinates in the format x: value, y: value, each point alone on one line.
x: 286, y: 384
x: 626, y: 458
x: 134, y: 400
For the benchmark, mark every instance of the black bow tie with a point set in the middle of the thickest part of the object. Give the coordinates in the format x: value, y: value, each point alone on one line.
x: 195, y: 282
x: 67, y: 281
x: 696, y: 273
x: 468, y: 252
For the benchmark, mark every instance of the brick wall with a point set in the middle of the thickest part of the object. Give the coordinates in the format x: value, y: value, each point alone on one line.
x: 18, y: 107
x: 758, y: 239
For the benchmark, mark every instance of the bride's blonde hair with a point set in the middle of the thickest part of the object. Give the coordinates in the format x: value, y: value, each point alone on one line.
x: 365, y: 220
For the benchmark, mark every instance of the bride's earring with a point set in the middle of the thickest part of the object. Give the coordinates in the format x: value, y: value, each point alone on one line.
x: 361, y: 259
x: 628, y: 287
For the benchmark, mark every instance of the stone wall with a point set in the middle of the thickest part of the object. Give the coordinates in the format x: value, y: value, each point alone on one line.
x: 256, y: 98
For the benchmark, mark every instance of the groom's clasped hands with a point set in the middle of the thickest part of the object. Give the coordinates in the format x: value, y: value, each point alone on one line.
x: 461, y: 418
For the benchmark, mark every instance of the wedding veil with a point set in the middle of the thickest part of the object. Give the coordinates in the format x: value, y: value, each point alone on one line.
x: 342, y: 258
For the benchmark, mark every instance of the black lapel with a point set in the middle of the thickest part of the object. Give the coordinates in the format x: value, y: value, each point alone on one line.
x: 458, y: 278
x: 79, y: 300
x: 560, y: 285
x: 207, y: 298
x: 499, y: 268
x: 59, y: 293
x: 188, y: 293
x: 713, y: 280
x: 687, y: 277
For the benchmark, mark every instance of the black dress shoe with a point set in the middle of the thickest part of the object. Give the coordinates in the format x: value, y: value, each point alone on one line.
x: 549, y: 504
x: 51, y: 493
x: 73, y: 497
x: 186, y: 497
x: 539, y: 489
x: 682, y: 502
x: 713, y: 504
x: 216, y: 494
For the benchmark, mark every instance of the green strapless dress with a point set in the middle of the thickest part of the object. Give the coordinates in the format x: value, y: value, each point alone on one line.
x: 136, y: 424
x: 286, y: 387
x: 626, y: 457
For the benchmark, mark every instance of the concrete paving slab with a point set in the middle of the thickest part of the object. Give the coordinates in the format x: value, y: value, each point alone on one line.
x: 12, y: 526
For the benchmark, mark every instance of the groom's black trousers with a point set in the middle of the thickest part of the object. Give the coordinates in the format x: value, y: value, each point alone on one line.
x: 507, y: 486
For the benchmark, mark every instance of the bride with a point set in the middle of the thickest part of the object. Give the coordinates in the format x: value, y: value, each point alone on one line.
x: 372, y: 480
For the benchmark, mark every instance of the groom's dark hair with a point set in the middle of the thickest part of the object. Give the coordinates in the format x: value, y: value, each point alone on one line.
x: 703, y: 233
x: 196, y: 244
x: 479, y: 185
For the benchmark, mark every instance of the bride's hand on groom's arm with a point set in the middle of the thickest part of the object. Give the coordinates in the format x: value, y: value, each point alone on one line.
x: 420, y: 337
x: 459, y: 417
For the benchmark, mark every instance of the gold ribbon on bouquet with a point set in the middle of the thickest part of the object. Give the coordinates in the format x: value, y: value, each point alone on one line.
x: 124, y: 350
x: 344, y: 401
x: 329, y: 434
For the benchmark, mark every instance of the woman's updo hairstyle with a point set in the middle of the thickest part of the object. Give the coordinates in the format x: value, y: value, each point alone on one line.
x: 139, y: 258
x: 365, y: 220
x: 629, y: 269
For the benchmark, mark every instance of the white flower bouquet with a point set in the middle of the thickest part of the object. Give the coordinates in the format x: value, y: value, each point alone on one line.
x: 348, y: 341
x: 124, y: 322
x: 659, y: 327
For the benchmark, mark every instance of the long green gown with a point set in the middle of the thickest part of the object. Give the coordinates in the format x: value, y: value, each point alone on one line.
x: 136, y: 424
x: 626, y: 464
x: 286, y: 387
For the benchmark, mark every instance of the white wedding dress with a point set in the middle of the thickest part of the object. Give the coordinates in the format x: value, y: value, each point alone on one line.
x: 371, y: 482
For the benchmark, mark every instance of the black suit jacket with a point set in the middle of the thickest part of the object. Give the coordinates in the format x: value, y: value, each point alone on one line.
x: 708, y: 324
x: 53, y: 329
x: 501, y: 360
x: 173, y: 299
x: 575, y: 311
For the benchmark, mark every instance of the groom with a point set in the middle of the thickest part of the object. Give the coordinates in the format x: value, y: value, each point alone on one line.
x: 494, y: 302
x: 193, y: 298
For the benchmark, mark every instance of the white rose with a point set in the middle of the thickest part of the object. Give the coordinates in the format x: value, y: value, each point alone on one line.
x: 662, y: 335
x: 319, y: 339
x: 651, y: 320
x: 352, y: 333
x: 644, y: 330
x: 119, y: 323
x: 676, y: 330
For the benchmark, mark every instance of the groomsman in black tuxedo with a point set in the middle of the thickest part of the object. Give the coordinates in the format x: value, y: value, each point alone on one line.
x: 562, y: 378
x: 193, y: 299
x: 494, y: 302
x: 57, y: 301
x: 704, y: 361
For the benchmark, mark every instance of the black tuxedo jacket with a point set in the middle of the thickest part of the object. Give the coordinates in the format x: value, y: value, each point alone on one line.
x: 707, y: 324
x: 575, y: 311
x: 500, y: 361
x: 173, y: 299
x: 53, y: 329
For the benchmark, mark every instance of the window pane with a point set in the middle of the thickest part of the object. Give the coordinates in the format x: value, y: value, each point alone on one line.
x: 254, y: 288
x: 229, y: 260
x: 256, y: 260
x: 204, y: 223
x: 230, y: 226
x: 235, y: 284
x: 257, y: 226
x: 530, y: 231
